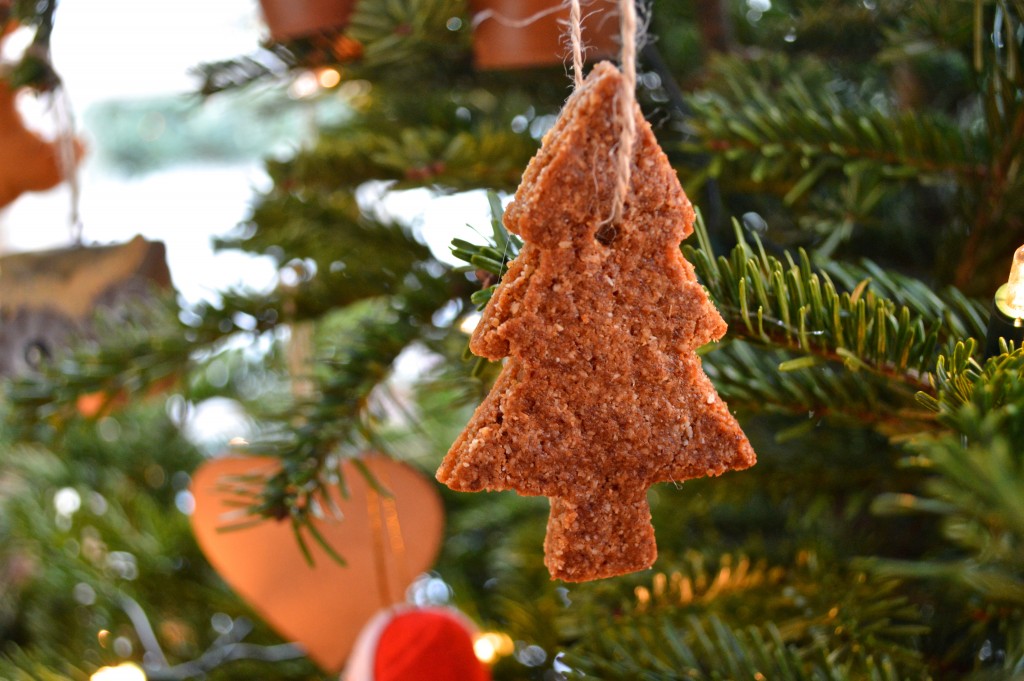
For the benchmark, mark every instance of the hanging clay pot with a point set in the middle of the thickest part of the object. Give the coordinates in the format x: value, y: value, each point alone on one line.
x: 501, y: 42
x: 290, y: 19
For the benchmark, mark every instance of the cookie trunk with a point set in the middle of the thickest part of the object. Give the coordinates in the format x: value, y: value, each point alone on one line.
x: 599, y: 537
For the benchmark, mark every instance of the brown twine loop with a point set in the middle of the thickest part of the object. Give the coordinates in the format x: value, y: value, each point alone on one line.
x: 627, y: 102
x: 626, y: 98
x: 576, y: 38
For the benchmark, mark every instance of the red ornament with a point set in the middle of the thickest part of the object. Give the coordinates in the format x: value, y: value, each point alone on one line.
x: 416, y: 644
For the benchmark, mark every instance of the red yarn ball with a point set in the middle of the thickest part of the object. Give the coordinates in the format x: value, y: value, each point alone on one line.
x: 418, y: 644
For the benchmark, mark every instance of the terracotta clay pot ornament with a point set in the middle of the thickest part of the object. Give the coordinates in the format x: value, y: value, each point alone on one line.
x: 290, y: 19
x: 512, y: 34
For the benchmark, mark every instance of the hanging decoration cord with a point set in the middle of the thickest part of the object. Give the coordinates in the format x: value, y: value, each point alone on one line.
x: 491, y: 15
x: 373, y: 511
x: 576, y: 39
x: 627, y: 103
x: 68, y: 156
x: 67, y: 146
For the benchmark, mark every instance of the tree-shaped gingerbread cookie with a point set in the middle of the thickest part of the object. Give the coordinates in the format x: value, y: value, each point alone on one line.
x: 603, y: 394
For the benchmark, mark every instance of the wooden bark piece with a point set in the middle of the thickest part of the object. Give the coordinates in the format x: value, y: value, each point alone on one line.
x: 48, y: 296
x: 602, y: 395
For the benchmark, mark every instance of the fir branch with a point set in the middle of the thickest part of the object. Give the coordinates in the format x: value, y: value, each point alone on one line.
x: 962, y: 317
x: 401, y: 40
x: 309, y: 437
x: 162, y: 341
x: 149, y: 333
x: 760, y: 379
x: 351, y: 255
x: 492, y: 259
x: 20, y: 664
x: 270, y: 62
x: 976, y: 474
x: 407, y: 33
x: 714, y: 650
x: 793, y: 305
x: 489, y: 156
x: 685, y: 625
x: 799, y: 136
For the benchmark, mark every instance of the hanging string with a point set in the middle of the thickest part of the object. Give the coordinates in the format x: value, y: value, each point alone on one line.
x: 380, y: 562
x: 490, y: 14
x: 576, y: 39
x: 397, y: 540
x: 627, y: 104
x: 626, y: 101
x: 68, y: 157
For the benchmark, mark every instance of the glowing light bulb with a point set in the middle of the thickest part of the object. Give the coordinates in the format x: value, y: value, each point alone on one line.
x: 126, y: 671
x: 491, y: 645
x: 484, y: 650
x: 328, y: 78
x: 305, y: 85
x: 1013, y: 291
x: 1006, y: 323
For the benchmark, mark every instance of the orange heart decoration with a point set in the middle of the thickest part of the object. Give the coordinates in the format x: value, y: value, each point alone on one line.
x: 28, y: 163
x: 386, y: 540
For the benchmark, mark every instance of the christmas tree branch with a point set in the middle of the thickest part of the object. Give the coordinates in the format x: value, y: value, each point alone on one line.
x: 976, y: 474
x: 800, y: 134
x: 791, y: 304
x: 315, y: 431
x: 404, y: 39
x: 412, y: 156
x: 683, y: 625
x: 759, y: 379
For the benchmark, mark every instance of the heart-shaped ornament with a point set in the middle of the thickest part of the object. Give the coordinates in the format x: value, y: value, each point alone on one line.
x: 28, y: 163
x: 386, y: 539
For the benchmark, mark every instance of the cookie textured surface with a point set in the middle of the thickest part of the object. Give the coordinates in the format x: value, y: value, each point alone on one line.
x: 602, y: 394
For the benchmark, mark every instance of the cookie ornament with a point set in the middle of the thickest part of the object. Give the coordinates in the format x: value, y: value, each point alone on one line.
x: 603, y: 394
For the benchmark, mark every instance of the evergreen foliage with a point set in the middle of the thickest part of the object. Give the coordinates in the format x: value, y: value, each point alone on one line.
x: 872, y: 152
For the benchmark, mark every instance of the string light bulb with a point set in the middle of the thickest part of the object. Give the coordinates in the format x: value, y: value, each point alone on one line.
x: 491, y: 645
x: 1013, y: 290
x: 1007, y: 318
x: 126, y: 671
